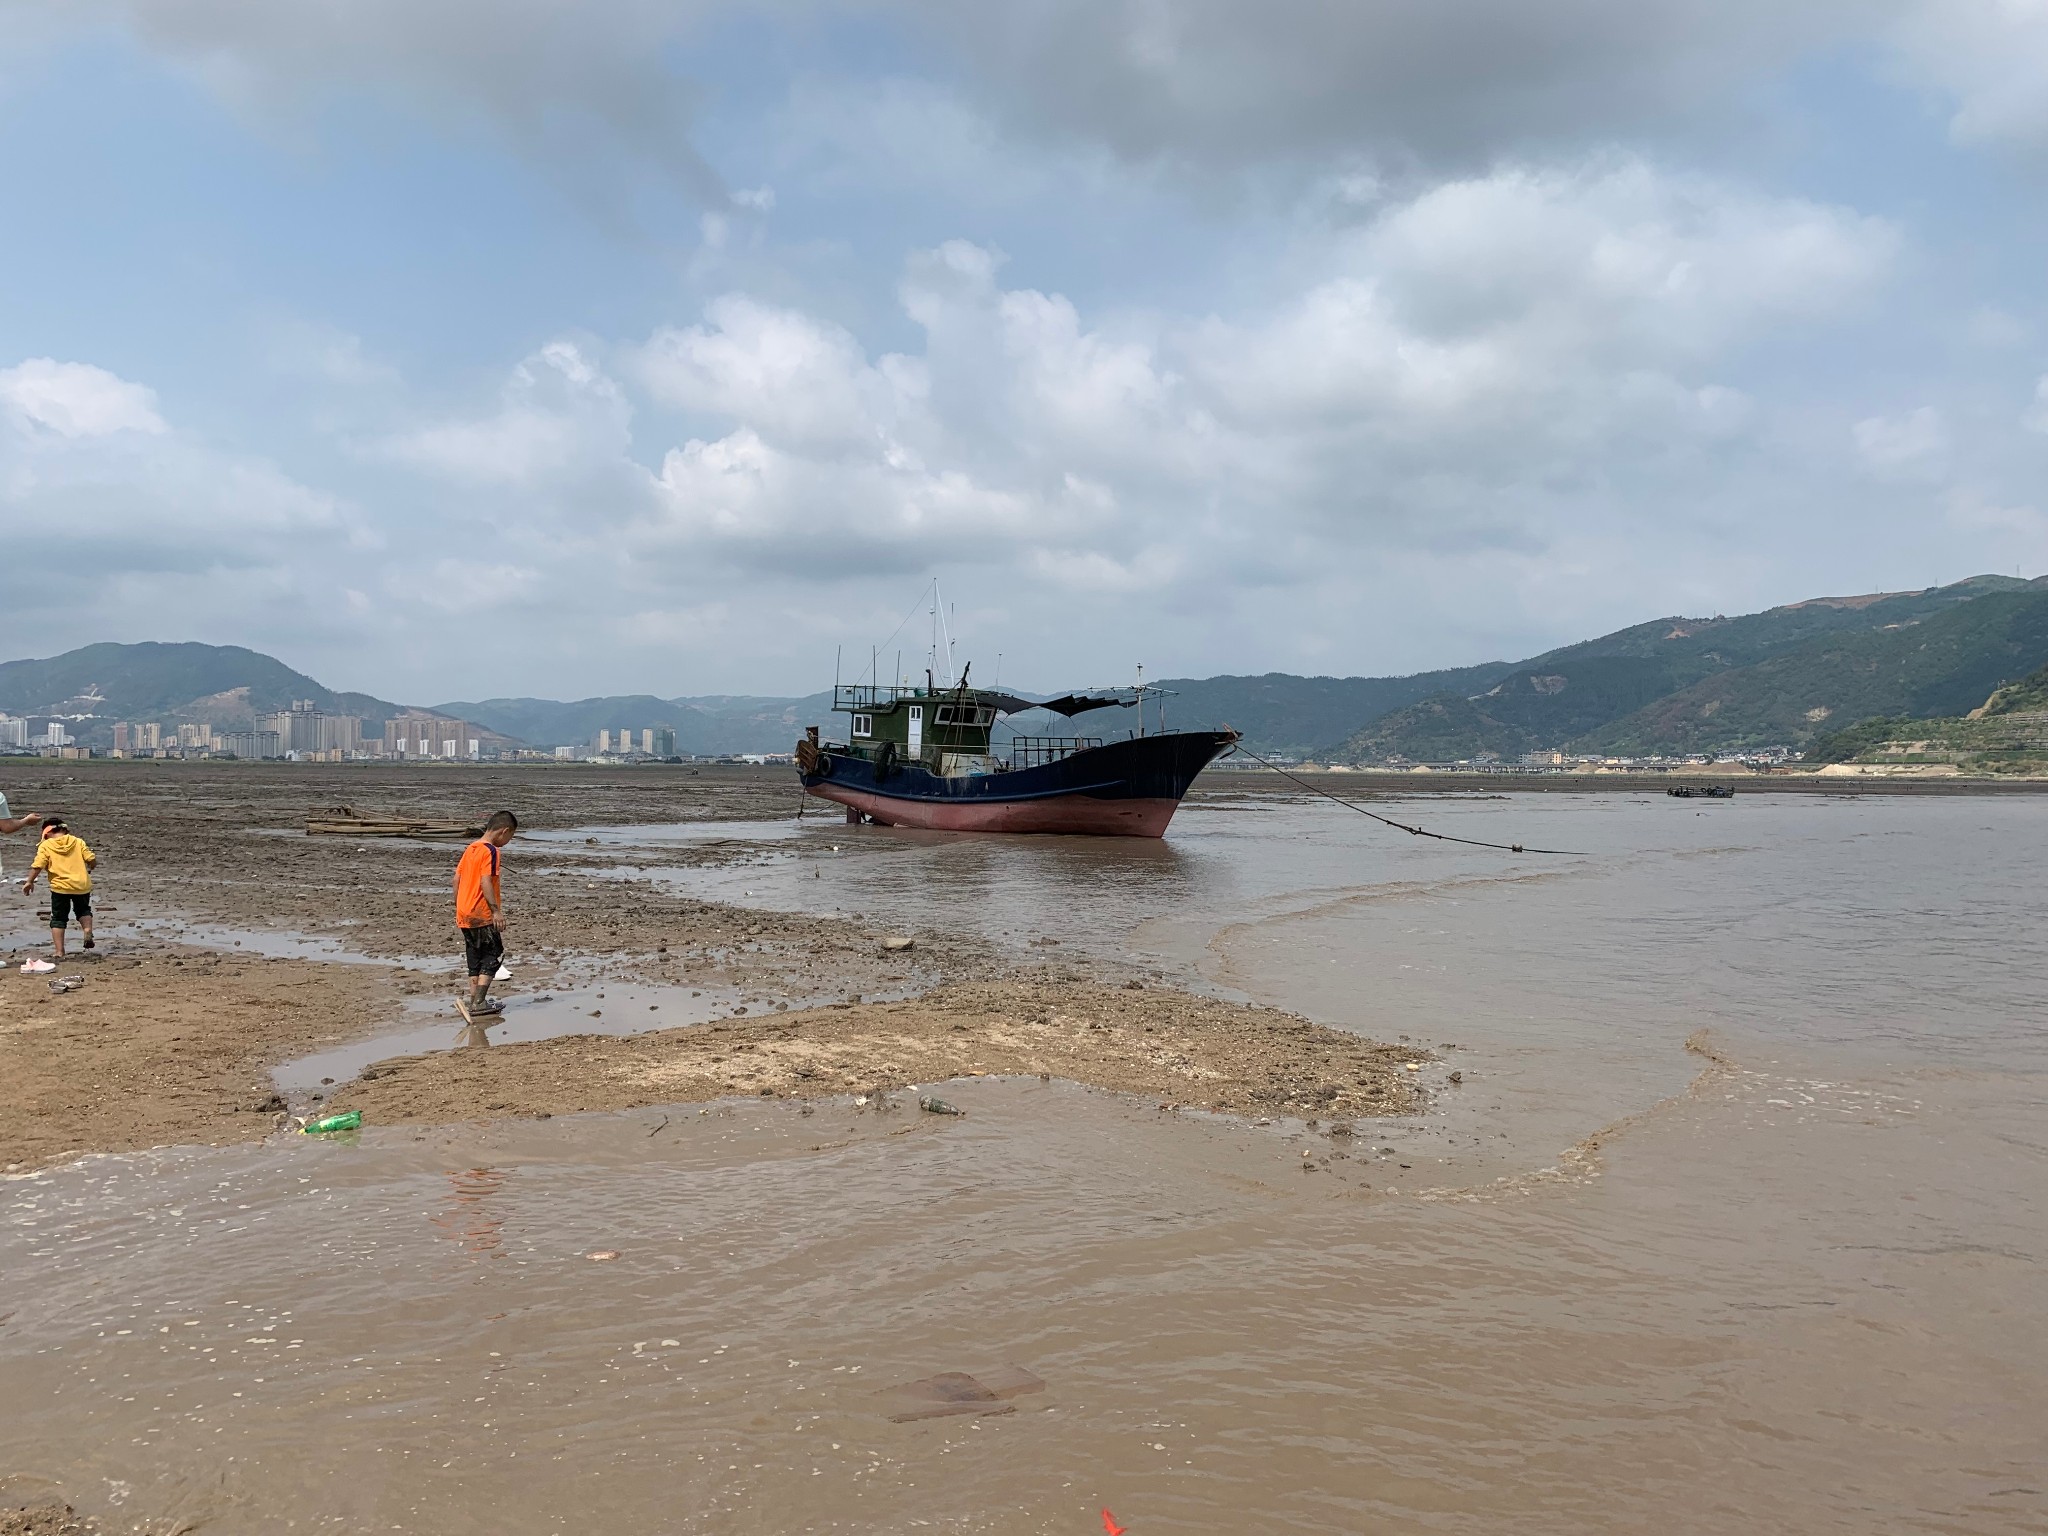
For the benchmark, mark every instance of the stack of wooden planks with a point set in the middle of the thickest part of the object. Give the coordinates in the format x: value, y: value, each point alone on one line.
x: 347, y: 821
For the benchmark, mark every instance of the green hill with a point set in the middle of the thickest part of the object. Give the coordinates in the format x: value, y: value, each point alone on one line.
x: 223, y: 684
x: 1646, y: 689
x: 1943, y: 665
x: 1292, y: 715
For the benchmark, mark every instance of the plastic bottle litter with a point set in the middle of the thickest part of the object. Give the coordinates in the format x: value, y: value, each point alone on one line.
x: 326, y: 1125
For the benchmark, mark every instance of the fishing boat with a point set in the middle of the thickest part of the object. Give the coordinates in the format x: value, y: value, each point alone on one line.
x: 926, y: 755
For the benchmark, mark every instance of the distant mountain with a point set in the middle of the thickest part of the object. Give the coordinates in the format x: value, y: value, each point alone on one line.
x: 223, y: 685
x: 1681, y: 684
x: 1943, y: 665
x: 1294, y: 716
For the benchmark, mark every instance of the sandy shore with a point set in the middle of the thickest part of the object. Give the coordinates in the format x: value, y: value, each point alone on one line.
x: 172, y: 1036
x: 1160, y: 1044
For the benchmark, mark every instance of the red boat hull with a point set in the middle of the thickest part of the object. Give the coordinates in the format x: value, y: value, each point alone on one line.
x: 1082, y: 815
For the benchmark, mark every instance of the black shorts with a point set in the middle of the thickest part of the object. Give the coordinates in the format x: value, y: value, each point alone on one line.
x: 485, y: 947
x: 64, y: 903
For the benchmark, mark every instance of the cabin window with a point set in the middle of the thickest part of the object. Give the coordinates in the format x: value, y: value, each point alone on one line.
x: 967, y: 714
x: 863, y: 725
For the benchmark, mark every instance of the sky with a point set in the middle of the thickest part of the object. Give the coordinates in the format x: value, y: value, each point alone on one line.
x: 449, y: 349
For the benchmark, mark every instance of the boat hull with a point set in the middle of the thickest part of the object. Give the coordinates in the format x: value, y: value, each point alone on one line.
x: 1121, y: 789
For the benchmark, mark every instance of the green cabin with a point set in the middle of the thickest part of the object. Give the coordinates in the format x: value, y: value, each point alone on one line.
x: 949, y: 731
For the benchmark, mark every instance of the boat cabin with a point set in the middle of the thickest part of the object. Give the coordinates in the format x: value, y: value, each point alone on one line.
x: 920, y: 724
x: 949, y: 730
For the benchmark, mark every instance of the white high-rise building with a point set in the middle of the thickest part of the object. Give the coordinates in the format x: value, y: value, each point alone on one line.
x: 13, y: 731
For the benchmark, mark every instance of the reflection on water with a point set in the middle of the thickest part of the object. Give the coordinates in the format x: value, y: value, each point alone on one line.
x: 1797, y: 1290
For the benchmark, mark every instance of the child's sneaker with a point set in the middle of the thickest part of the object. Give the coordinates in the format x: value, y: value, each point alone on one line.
x: 34, y: 967
x: 492, y: 1006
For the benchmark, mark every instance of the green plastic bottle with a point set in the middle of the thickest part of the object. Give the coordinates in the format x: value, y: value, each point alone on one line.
x: 347, y: 1120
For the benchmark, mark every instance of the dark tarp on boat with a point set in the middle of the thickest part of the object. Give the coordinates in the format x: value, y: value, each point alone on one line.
x: 1068, y: 704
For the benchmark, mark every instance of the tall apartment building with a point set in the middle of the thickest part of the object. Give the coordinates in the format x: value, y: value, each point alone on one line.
x: 13, y: 731
x: 429, y: 736
x: 196, y: 738
x: 149, y: 736
x: 305, y: 727
x: 661, y: 741
x: 55, y: 735
x: 250, y: 744
x: 124, y: 737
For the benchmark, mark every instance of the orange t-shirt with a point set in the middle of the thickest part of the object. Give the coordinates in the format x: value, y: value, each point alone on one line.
x: 477, y: 872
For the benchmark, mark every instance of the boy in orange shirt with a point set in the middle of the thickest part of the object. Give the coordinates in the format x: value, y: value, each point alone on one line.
x: 480, y: 913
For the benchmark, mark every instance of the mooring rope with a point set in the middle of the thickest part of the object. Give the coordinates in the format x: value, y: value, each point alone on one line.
x: 1442, y: 837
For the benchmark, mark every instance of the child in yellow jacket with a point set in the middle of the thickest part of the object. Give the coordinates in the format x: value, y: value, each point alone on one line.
x: 69, y: 863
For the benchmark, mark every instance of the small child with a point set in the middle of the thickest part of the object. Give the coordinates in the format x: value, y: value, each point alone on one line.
x: 70, y: 864
x: 480, y: 913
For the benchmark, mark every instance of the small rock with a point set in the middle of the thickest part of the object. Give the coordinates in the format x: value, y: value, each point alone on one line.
x: 602, y: 1255
x: 896, y: 943
x: 932, y: 1104
x: 1457, y: 1077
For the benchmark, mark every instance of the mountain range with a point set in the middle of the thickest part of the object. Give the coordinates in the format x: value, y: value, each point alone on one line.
x: 1783, y: 677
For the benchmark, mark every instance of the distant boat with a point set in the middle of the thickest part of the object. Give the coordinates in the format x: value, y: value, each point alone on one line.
x: 926, y: 757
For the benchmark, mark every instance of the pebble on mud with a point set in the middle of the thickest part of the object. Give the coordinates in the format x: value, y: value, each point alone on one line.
x: 602, y: 1255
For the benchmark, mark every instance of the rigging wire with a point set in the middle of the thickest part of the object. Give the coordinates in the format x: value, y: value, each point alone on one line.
x: 899, y: 630
x: 1442, y: 837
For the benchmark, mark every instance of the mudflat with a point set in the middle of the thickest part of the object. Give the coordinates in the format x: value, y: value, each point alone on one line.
x: 232, y: 942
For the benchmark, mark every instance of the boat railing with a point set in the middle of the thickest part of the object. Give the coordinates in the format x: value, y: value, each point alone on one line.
x: 1037, y: 751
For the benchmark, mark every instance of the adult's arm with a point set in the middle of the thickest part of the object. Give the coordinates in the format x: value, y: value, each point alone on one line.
x: 16, y: 823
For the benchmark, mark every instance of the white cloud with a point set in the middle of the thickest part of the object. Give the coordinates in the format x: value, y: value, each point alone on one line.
x: 157, y: 522
x: 1465, y: 366
x: 1915, y: 443
x: 77, y: 399
x: 558, y: 414
x: 1990, y: 57
x: 2036, y: 417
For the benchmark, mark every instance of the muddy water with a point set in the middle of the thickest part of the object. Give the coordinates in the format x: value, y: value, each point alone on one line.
x: 1793, y: 1284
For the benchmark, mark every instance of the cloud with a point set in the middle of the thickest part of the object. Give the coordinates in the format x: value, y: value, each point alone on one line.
x: 1213, y: 82
x: 1990, y: 57
x: 1914, y: 444
x: 1462, y: 371
x: 77, y: 399
x: 586, y: 89
x: 557, y: 416
x: 2036, y: 417
x: 149, y: 520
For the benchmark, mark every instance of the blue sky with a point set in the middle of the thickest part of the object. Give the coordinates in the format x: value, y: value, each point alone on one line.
x: 459, y: 348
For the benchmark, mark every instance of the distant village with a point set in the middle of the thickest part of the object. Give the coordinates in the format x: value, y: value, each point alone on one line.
x: 305, y: 733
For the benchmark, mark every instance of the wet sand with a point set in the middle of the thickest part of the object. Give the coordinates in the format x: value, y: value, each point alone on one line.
x: 1167, y: 1045
x: 164, y: 1047
x: 180, y: 1020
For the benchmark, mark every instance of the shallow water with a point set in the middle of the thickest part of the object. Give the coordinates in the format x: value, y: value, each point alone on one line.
x: 1792, y: 1285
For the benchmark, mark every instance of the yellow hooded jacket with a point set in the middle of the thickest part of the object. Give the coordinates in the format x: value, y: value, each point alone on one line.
x: 69, y: 862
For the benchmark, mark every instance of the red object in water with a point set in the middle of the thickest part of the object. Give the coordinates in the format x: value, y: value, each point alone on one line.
x: 1109, y: 1524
